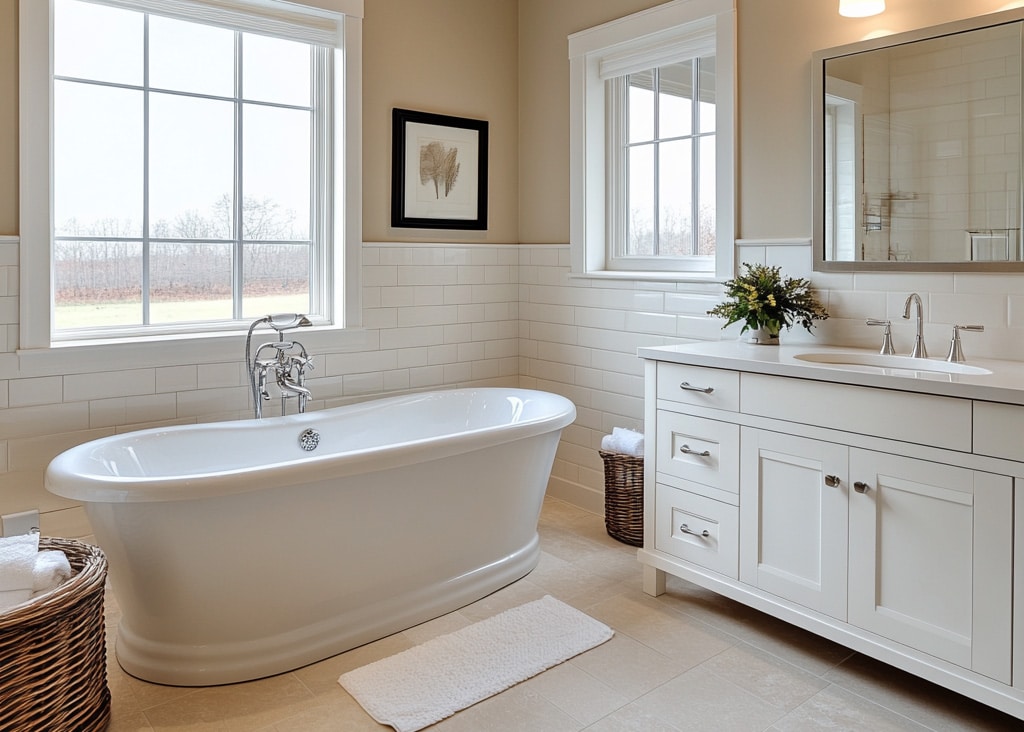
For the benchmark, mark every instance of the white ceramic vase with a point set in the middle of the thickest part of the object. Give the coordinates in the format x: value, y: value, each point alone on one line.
x: 762, y: 337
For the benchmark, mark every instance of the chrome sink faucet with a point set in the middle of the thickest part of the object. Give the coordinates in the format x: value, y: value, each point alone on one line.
x: 919, y: 350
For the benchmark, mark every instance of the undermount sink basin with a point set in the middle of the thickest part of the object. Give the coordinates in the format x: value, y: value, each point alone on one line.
x: 890, y: 363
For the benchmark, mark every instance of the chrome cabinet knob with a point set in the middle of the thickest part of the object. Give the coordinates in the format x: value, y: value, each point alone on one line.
x: 832, y: 481
x: 861, y: 487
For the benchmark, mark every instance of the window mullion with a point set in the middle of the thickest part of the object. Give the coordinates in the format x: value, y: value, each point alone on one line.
x: 695, y: 199
x: 656, y: 154
x: 322, y: 155
x: 237, y: 273
x: 146, y: 279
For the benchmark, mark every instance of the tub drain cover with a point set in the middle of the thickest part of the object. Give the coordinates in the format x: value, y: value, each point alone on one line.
x: 309, y: 439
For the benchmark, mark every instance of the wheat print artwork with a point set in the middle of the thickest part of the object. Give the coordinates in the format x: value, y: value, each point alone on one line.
x: 439, y: 164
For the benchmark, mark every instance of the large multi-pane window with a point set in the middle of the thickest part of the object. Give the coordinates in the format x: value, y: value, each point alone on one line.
x: 183, y: 161
x: 652, y: 143
x: 193, y: 164
x: 668, y: 155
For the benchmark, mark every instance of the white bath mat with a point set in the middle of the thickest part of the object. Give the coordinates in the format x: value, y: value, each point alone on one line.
x: 432, y: 681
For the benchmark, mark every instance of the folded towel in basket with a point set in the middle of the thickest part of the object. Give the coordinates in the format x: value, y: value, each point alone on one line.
x: 18, y: 561
x: 629, y: 442
x: 50, y: 570
x: 10, y: 598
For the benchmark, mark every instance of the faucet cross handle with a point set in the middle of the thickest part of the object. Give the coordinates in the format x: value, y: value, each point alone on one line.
x: 303, y: 362
x: 956, y: 352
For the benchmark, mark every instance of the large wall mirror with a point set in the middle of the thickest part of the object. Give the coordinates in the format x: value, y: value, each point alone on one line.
x: 917, y: 150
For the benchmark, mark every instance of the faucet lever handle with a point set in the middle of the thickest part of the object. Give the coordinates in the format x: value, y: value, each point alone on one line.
x: 956, y: 351
x: 887, y: 348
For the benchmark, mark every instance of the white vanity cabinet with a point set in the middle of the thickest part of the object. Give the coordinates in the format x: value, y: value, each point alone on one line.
x: 931, y: 550
x: 793, y: 502
x: 866, y: 513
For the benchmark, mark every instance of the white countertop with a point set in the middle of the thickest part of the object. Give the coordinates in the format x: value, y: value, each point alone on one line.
x: 1004, y: 384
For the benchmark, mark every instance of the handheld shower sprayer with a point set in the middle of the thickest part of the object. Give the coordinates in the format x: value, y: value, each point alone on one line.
x: 286, y: 321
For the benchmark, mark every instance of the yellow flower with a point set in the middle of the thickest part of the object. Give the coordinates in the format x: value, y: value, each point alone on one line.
x: 771, y: 300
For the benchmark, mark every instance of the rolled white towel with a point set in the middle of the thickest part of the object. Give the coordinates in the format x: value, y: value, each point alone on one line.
x: 625, y: 441
x: 51, y: 568
x: 10, y: 598
x: 17, y: 561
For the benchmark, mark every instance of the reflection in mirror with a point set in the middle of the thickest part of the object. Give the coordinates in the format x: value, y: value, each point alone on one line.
x: 917, y: 150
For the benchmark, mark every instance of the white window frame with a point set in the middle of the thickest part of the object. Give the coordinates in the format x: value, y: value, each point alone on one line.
x: 343, y: 294
x: 648, y: 39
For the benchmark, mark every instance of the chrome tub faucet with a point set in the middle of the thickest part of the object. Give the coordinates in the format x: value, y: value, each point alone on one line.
x: 288, y: 363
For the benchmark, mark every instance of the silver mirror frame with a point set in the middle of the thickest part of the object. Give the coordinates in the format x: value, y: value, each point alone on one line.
x: 818, y: 59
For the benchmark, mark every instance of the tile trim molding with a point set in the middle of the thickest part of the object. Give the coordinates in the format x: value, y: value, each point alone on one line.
x: 798, y: 242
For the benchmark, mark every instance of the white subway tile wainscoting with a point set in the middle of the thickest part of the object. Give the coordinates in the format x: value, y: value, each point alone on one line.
x: 448, y: 315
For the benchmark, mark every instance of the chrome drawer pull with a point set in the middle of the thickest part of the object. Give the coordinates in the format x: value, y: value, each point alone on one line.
x: 685, y: 449
x: 703, y: 389
x: 687, y: 530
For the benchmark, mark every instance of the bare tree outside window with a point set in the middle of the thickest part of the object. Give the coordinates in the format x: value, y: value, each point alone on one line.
x: 100, y: 270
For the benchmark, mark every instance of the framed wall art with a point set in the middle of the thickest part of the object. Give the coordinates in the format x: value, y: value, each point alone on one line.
x: 438, y: 171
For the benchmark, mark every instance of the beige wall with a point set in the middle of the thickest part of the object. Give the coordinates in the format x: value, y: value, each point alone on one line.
x: 448, y: 56
x: 776, y: 39
x: 775, y: 42
x: 544, y: 107
x: 460, y: 57
x: 8, y: 117
x: 454, y: 57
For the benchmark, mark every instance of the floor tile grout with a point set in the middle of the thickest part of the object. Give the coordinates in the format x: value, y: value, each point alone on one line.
x: 664, y: 691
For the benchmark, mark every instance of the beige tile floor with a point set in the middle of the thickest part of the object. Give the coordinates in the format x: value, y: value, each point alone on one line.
x: 687, y: 660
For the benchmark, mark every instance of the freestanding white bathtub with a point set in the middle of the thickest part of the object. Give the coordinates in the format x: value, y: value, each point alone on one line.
x: 236, y: 554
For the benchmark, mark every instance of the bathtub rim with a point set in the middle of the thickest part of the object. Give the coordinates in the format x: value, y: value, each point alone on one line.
x: 62, y: 478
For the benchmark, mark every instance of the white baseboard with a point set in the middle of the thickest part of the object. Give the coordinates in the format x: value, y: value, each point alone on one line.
x: 579, y: 495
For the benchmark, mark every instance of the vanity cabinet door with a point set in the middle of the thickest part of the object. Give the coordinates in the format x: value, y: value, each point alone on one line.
x: 931, y: 558
x: 793, y: 510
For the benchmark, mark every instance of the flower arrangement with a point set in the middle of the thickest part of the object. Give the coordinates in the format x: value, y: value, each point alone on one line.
x: 761, y: 298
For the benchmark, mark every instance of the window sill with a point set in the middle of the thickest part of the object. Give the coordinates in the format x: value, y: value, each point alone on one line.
x: 646, y: 276
x: 161, y: 351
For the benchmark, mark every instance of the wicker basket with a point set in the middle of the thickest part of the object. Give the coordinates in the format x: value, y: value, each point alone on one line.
x: 624, y: 497
x: 53, y: 660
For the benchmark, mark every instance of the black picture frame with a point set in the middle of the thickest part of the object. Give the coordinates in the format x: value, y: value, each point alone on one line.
x: 438, y: 171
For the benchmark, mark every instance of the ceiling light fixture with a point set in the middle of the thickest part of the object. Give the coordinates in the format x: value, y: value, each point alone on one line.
x: 860, y: 8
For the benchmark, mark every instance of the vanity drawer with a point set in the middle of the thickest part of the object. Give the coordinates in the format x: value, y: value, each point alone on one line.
x: 697, y: 529
x: 926, y: 419
x: 998, y: 430
x: 704, y: 387
x: 700, y: 450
